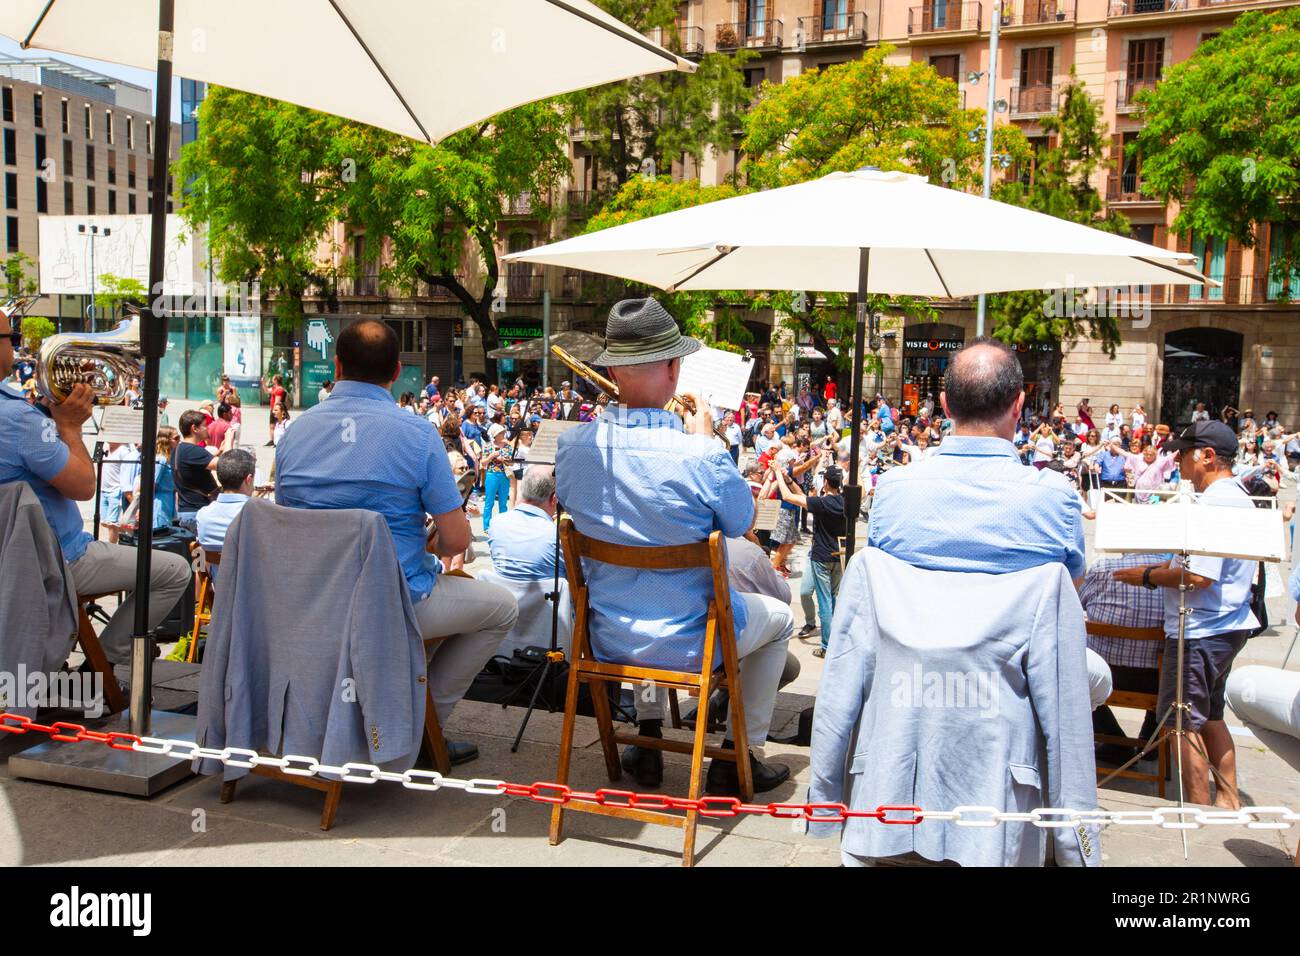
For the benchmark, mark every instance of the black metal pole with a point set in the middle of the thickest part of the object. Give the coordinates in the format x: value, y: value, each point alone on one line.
x: 153, y: 341
x: 853, y: 490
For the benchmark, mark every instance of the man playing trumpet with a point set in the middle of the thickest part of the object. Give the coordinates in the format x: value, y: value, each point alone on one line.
x: 642, y: 476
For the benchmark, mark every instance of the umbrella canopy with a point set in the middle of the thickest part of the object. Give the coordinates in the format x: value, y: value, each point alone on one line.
x: 925, y: 240
x: 422, y: 68
x: 581, y: 345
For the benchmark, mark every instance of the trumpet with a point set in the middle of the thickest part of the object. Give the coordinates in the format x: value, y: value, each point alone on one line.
x: 611, y: 388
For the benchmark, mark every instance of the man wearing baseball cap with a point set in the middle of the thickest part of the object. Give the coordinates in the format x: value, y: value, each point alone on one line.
x: 1219, y: 622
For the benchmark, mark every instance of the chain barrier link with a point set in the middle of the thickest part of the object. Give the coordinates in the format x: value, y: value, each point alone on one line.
x: 1167, y: 818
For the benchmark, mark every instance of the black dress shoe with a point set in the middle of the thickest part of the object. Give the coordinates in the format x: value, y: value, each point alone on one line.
x: 644, y: 764
x: 461, y: 751
x: 724, y: 781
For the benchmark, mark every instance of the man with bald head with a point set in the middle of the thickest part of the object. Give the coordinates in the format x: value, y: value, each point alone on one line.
x: 972, y: 506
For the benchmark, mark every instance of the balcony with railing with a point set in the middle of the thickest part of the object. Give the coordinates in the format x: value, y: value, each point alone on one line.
x: 521, y: 205
x: 1133, y: 8
x: 525, y: 286
x: 831, y: 29
x: 749, y: 34
x: 1035, y: 100
x: 581, y: 203
x: 688, y: 41
x: 1127, y: 187
x: 1038, y: 13
x: 944, y: 18
x: 1127, y: 89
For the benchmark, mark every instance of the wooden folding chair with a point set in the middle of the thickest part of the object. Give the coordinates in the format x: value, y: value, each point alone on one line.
x: 204, y: 597
x: 114, y: 699
x: 585, y: 668
x: 1137, y: 701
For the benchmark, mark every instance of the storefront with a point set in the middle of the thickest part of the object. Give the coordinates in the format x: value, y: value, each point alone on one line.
x: 927, y: 349
x: 511, y: 332
x: 1041, y: 364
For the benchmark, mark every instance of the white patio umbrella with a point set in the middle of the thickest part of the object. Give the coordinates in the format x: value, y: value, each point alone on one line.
x: 866, y: 232
x: 421, y: 68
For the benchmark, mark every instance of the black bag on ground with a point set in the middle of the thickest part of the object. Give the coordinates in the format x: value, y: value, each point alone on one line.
x: 174, y: 540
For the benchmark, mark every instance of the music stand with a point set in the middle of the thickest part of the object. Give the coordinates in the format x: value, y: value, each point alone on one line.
x: 1180, y: 526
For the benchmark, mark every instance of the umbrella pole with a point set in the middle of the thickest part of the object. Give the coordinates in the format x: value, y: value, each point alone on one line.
x: 853, y: 490
x: 153, y: 341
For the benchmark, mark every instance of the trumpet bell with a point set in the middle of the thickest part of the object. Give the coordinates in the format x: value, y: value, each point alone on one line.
x: 106, y: 361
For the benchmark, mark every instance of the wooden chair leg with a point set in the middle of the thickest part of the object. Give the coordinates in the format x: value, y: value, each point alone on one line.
x: 433, y: 737
x: 740, y: 733
x: 333, y: 794
x: 566, y: 750
x: 605, y: 724
x: 192, y: 652
x: 696, y: 785
x: 114, y: 699
x: 674, y: 709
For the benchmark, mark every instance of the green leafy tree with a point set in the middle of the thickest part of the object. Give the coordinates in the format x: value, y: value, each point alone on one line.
x: 1062, y: 187
x: 1226, y: 124
x: 265, y: 176
x: 36, y: 329
x: 640, y: 126
x: 16, y: 278
x: 110, y: 292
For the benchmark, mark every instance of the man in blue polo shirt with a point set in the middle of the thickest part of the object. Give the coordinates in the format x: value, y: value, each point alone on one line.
x: 43, y: 447
x: 359, y: 450
x: 522, y: 540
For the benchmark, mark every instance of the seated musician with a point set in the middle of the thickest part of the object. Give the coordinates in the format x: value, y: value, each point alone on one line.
x: 522, y: 540
x: 359, y: 450
x: 636, y: 476
x: 43, y: 447
x: 235, y: 470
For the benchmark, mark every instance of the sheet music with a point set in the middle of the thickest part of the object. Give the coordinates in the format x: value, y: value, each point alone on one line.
x: 121, y: 423
x: 768, y: 509
x: 720, y: 377
x: 542, y: 450
x: 1225, y: 532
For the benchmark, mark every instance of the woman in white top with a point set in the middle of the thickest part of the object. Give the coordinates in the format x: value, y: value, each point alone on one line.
x: 281, y: 422
x: 1139, y: 419
x: 1114, y: 417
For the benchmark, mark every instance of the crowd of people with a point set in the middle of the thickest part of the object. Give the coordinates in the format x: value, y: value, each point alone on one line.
x: 646, y: 476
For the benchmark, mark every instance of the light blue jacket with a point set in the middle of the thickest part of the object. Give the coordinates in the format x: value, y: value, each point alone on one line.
x: 312, y: 650
x: 951, y: 688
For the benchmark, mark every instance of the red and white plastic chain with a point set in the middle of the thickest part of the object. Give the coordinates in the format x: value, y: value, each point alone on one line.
x: 1172, y: 818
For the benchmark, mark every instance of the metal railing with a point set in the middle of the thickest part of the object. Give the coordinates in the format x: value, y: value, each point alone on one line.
x: 688, y: 41
x: 1025, y: 13
x: 581, y: 203
x: 944, y: 16
x: 1127, y: 90
x: 521, y: 205
x: 751, y: 34
x: 831, y: 28
x: 1035, y: 100
x: 1126, y: 186
x: 1130, y: 8
x: 524, y: 285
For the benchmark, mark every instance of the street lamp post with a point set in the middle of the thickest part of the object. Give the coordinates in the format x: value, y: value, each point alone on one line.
x: 94, y: 232
x: 988, y: 135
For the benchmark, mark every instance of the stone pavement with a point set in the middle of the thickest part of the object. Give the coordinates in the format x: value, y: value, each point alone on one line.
x: 386, y: 824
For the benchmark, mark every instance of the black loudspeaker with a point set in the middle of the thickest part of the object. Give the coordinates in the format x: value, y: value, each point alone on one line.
x: 180, y: 619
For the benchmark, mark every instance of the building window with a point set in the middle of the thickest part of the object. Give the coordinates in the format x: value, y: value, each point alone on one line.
x: 11, y: 190
x: 1146, y: 60
x: 90, y: 161
x: 38, y: 110
x: 67, y: 158
x: 40, y: 150
x: 835, y: 15
x: 63, y: 114
x: 90, y: 200
x: 1212, y: 256
x: 108, y: 126
x: 12, y: 233
x: 148, y: 136
x: 11, y: 148
x: 754, y: 76
x: 89, y: 123
x: 112, y: 167
x: 112, y: 202
x: 130, y: 203
x: 947, y: 66
x: 67, y: 197
x: 42, y: 196
x: 130, y: 171
x: 130, y: 132
x: 9, y: 104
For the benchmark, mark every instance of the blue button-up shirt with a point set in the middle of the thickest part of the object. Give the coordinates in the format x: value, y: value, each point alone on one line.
x: 1112, y: 466
x: 31, y: 451
x: 359, y: 450
x: 1224, y: 606
x: 522, y: 542
x: 635, y: 477
x: 973, y: 506
x: 214, y: 519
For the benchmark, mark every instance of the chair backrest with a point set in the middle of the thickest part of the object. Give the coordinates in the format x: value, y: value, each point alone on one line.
x: 1098, y: 629
x: 711, y: 554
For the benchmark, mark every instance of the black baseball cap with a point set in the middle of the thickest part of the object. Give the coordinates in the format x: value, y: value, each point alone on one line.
x: 1214, y: 435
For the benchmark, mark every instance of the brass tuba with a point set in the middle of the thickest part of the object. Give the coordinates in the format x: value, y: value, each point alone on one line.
x: 106, y: 361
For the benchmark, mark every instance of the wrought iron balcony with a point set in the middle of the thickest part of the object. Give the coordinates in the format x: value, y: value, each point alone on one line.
x: 524, y: 286
x: 830, y: 29
x: 1035, y: 100
x: 1028, y: 13
x: 750, y: 34
x: 1127, y: 90
x: 944, y: 16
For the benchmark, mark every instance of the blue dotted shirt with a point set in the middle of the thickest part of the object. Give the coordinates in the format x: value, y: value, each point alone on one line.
x: 635, y: 477
x: 359, y: 450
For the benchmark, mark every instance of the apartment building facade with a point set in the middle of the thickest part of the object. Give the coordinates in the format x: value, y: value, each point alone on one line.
x: 1233, y: 345
x: 75, y: 143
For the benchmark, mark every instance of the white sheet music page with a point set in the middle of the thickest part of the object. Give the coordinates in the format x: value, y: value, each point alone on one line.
x: 721, y: 377
x: 1226, y: 532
